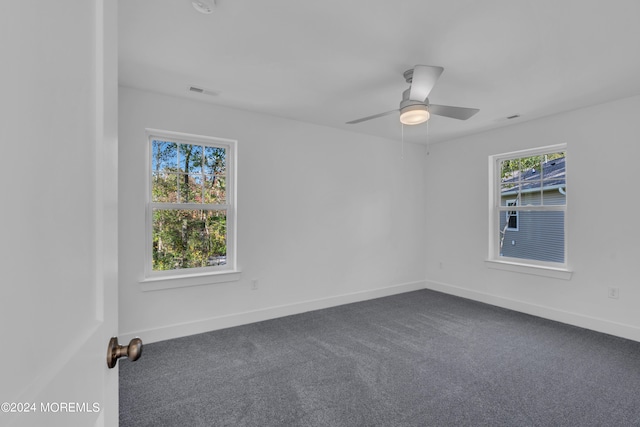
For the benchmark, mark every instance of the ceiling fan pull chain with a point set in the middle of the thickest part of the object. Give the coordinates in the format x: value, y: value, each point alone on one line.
x: 402, y: 149
x: 427, y: 138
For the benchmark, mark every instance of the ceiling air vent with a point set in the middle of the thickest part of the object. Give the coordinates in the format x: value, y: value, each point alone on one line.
x: 203, y: 91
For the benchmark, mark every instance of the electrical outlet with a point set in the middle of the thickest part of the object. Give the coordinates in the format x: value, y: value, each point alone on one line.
x: 254, y: 285
x: 614, y: 293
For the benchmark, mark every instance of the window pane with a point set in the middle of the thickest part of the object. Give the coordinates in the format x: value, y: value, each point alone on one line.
x: 184, y: 238
x: 531, y: 196
x: 530, y: 171
x: 215, y: 161
x: 164, y: 187
x: 555, y: 195
x: 520, y: 169
x: 215, y: 189
x: 509, y: 193
x: 540, y: 236
x: 554, y: 175
x: 190, y: 158
x: 190, y: 188
x: 509, y: 170
x: 554, y: 166
x: 164, y: 156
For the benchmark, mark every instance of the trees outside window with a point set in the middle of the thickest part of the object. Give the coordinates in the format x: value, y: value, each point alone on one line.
x: 191, y: 208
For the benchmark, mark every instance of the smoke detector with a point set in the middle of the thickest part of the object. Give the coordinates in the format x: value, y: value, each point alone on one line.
x: 204, y: 6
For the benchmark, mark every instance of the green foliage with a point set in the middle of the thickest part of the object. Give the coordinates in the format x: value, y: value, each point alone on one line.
x: 511, y: 166
x: 185, y: 238
x: 188, y: 237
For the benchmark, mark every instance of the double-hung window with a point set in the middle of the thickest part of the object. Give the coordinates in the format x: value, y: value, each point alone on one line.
x: 528, y: 206
x: 191, y: 206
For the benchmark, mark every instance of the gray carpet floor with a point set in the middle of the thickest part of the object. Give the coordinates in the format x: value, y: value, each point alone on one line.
x: 417, y: 359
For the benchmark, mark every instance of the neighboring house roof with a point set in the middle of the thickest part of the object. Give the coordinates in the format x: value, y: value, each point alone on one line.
x: 553, y: 175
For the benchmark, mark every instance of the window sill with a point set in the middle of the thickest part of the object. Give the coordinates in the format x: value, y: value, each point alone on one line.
x: 537, y: 270
x: 185, y: 280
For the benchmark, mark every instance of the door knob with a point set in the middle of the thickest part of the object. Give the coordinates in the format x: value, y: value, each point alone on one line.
x: 133, y: 351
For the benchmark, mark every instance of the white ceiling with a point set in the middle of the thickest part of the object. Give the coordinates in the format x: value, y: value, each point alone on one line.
x: 331, y: 61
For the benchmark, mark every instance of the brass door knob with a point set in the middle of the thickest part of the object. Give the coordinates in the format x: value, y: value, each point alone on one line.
x: 133, y: 351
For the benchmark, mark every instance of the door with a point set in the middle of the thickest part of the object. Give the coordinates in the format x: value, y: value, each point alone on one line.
x: 58, y: 212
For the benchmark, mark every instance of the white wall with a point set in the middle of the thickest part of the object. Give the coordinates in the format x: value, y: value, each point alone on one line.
x: 603, y: 232
x: 324, y: 217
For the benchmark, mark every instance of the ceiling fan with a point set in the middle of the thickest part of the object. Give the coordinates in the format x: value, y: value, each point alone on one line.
x: 415, y: 107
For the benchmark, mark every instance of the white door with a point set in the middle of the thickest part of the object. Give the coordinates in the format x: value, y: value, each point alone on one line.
x: 58, y: 212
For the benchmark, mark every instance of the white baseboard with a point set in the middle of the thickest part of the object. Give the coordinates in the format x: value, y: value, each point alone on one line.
x: 243, y: 318
x: 575, y: 319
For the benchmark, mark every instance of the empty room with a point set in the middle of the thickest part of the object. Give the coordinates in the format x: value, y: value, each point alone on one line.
x: 338, y: 213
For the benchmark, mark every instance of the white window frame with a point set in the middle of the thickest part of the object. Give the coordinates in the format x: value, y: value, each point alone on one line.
x: 154, y: 280
x: 528, y: 266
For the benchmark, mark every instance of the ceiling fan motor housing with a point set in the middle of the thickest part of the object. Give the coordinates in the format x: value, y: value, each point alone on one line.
x: 408, y: 76
x: 406, y: 102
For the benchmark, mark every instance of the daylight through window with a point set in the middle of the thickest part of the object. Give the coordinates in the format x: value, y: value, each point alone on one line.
x: 191, y: 208
x: 529, y: 206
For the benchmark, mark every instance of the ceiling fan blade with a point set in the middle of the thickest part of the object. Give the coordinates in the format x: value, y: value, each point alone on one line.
x: 459, y: 113
x: 423, y: 80
x: 375, y: 116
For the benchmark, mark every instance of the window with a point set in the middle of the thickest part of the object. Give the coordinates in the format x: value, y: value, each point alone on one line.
x: 527, y: 207
x: 191, y: 204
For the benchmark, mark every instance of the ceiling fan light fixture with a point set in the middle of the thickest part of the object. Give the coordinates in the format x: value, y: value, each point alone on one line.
x: 414, y: 115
